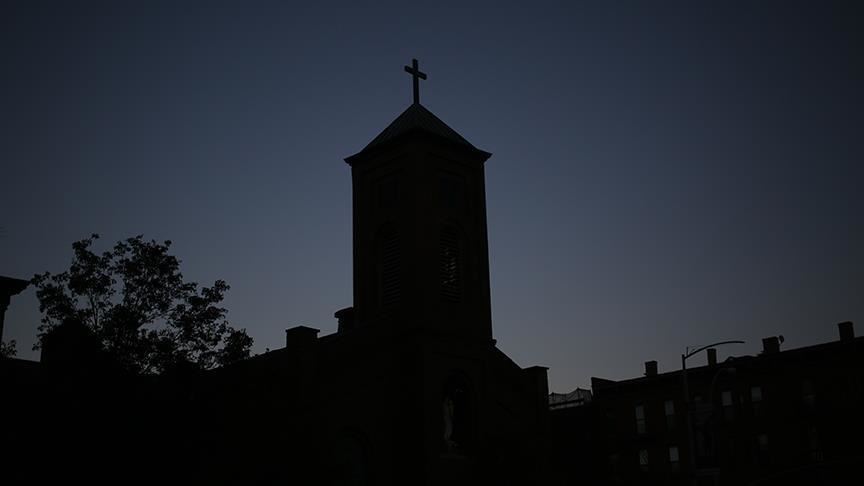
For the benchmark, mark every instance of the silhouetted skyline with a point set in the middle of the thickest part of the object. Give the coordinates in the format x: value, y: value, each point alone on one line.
x: 663, y: 176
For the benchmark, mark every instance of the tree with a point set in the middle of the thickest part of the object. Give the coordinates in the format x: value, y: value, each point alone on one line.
x: 135, y: 300
x: 7, y: 349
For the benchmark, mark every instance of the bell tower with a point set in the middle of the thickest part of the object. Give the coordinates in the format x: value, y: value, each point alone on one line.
x: 421, y: 259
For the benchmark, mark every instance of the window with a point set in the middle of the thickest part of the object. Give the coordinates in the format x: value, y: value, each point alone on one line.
x: 808, y: 395
x: 727, y: 404
x: 643, y: 459
x: 388, y: 193
x: 756, y: 399
x: 755, y: 394
x: 673, y: 458
x: 704, y: 441
x: 450, y: 265
x: 669, y: 408
x: 813, y: 445
x: 762, y: 449
x: 640, y: 419
x: 388, y: 266
x: 612, y: 463
x: 452, y: 189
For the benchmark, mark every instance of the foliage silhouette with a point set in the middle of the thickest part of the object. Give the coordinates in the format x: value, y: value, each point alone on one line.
x: 135, y: 300
x: 7, y: 349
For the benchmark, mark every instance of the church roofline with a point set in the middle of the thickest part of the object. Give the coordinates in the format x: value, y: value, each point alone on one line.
x: 417, y: 121
x: 420, y: 138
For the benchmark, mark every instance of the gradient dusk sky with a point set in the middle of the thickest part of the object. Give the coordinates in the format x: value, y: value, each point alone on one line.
x: 664, y: 174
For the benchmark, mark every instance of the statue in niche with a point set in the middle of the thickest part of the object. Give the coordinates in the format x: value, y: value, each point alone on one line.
x: 455, y: 410
x: 449, y: 416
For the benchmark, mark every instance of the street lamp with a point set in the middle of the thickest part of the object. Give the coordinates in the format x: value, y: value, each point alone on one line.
x: 685, y: 387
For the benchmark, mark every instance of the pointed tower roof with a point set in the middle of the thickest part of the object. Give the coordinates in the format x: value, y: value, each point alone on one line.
x: 416, y: 119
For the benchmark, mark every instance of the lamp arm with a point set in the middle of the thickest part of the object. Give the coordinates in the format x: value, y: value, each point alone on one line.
x: 691, y: 353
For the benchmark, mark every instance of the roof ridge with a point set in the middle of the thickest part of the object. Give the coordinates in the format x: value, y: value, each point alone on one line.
x: 417, y: 118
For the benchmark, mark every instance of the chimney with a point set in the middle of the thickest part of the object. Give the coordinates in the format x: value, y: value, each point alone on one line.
x: 712, y: 357
x: 346, y: 319
x: 770, y: 345
x: 300, y: 336
x: 538, y: 379
x: 847, y: 331
x: 650, y: 368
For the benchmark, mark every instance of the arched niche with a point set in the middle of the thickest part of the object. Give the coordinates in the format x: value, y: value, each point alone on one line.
x: 350, y: 459
x: 457, y: 415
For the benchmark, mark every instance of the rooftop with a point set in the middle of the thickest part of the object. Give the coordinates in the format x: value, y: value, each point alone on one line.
x: 416, y: 119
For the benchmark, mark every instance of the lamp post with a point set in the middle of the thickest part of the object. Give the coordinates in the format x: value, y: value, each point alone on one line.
x: 686, y: 390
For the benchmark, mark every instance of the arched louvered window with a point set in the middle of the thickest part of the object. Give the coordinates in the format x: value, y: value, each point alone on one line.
x: 388, y: 266
x: 450, y: 264
x: 452, y: 191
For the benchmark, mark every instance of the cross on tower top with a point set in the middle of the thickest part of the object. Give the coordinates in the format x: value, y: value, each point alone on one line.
x: 414, y: 71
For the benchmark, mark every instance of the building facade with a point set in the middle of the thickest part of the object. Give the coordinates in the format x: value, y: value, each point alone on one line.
x: 781, y: 417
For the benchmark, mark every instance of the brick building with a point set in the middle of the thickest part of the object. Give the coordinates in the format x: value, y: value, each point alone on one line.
x: 781, y: 417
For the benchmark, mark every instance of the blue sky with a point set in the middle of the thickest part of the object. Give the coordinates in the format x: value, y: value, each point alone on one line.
x: 664, y: 174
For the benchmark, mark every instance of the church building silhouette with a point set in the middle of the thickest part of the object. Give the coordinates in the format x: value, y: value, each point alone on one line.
x: 411, y: 389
